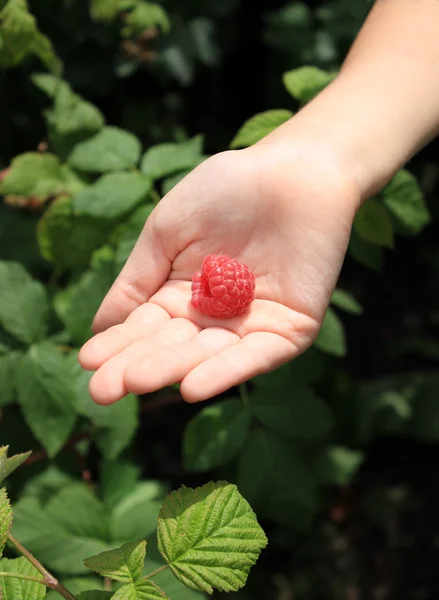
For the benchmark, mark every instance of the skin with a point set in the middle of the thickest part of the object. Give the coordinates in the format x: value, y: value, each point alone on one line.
x: 284, y: 207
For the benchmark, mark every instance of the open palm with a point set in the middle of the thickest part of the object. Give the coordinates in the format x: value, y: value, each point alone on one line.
x: 287, y: 220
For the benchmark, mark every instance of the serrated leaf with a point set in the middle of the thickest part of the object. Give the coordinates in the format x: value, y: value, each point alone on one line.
x: 373, y: 223
x: 282, y: 488
x: 20, y: 37
x: 143, y: 16
x: 113, y: 196
x: 338, y: 465
x: 23, y: 303
x: 5, y: 518
x: 38, y: 175
x: 175, y: 589
x: 346, y: 301
x: 165, y: 159
x: 72, y: 519
x: 259, y: 126
x: 129, y: 233
x: 223, y: 542
x: 123, y: 564
x: 292, y: 412
x: 306, y: 82
x: 20, y: 589
x: 404, y: 198
x: 331, y: 338
x: 215, y: 435
x: 46, y: 395
x: 9, y: 465
x: 141, y: 590
x: 67, y: 240
x: 115, y: 424
x: 111, y: 149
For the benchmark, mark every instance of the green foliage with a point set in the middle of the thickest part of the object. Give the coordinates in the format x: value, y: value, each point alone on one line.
x: 167, y: 159
x: 305, y: 83
x: 5, y: 519
x: 143, y: 16
x: 259, y: 126
x: 374, y: 224
x: 9, y: 465
x: 124, y: 564
x: 20, y: 589
x: 331, y: 337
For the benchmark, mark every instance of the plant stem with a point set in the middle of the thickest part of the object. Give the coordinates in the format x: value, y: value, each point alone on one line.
x: 21, y: 576
x: 49, y: 580
x: 244, y: 393
x: 156, y: 572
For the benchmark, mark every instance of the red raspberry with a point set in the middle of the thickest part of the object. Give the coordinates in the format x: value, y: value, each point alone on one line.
x: 223, y: 288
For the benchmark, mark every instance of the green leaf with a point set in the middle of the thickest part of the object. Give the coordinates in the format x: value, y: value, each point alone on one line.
x: 46, y: 395
x: 215, y: 435
x: 373, y: 224
x: 11, y: 464
x: 306, y: 82
x: 20, y: 37
x: 113, y: 196
x: 115, y: 424
x: 5, y: 519
x: 23, y: 303
x: 7, y: 377
x: 38, y: 175
x: 338, y: 465
x: 223, y: 542
x: 282, y: 487
x: 95, y: 595
x: 165, y: 159
x: 20, y: 589
x: 123, y: 564
x: 306, y: 368
x: 259, y: 126
x: 365, y: 254
x: 404, y: 198
x: 143, y: 16
x: 104, y: 10
x: 46, y: 484
x: 129, y: 233
x: 345, y: 301
x: 117, y: 479
x: 293, y: 412
x: 111, y: 149
x: 67, y: 240
x: 73, y: 519
x: 141, y: 590
x: 331, y: 338
x: 170, y: 585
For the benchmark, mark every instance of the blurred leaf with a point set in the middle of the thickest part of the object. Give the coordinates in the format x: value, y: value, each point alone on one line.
x: 20, y: 589
x: 46, y: 484
x: 306, y: 368
x: 366, y: 254
x: 282, y: 487
x: 373, y: 224
x: 123, y: 564
x: 104, y: 10
x: 290, y: 28
x: 338, y: 465
x: 11, y: 464
x: 259, y: 126
x: 68, y: 240
x: 223, y: 523
x: 95, y: 595
x: 293, y: 412
x: 20, y: 37
x: 115, y: 424
x: 111, y: 149
x: 425, y: 421
x: 73, y: 520
x: 331, y: 338
x: 306, y: 82
x: 129, y: 233
x: 404, y: 198
x: 144, y: 16
x: 113, y: 196
x: 7, y: 365
x: 5, y: 519
x: 46, y: 395
x: 345, y: 301
x: 77, y: 585
x: 165, y: 159
x: 23, y: 303
x: 141, y: 590
x: 40, y: 176
x: 117, y: 479
x: 215, y: 435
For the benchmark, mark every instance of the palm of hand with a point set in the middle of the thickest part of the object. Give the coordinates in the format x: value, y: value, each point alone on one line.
x: 277, y: 225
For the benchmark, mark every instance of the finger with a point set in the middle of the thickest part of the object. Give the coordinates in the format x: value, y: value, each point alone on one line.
x: 171, y: 364
x: 139, y: 325
x: 256, y: 353
x: 145, y: 271
x: 107, y: 384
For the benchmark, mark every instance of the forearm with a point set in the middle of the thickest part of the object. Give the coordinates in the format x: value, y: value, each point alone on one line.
x: 384, y: 105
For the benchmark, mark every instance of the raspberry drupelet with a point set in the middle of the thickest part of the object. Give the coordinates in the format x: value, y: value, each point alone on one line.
x: 223, y: 288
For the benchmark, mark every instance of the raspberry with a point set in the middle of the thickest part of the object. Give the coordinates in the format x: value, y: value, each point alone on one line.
x: 223, y: 288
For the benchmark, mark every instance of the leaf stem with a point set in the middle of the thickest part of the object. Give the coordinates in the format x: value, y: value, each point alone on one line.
x: 21, y: 576
x: 244, y: 393
x: 156, y: 572
x: 49, y: 580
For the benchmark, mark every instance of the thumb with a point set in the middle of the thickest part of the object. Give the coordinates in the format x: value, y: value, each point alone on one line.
x: 144, y: 273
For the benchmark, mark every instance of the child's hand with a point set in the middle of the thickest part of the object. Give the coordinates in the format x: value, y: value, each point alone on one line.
x: 283, y: 214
